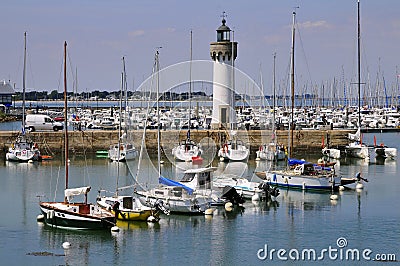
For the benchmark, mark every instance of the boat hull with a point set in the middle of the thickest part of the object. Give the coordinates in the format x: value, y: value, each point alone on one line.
x: 134, y: 213
x: 181, y: 154
x: 194, y: 206
x: 303, y: 182
x: 61, y: 218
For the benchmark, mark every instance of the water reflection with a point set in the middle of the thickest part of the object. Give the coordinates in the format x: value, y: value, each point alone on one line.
x: 306, y: 201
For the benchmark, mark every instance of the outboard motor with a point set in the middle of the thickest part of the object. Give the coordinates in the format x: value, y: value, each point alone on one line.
x: 159, y: 205
x: 359, y: 178
x: 268, y: 190
x: 230, y: 194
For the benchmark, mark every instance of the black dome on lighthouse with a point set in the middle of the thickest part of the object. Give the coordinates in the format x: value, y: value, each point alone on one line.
x: 223, y: 32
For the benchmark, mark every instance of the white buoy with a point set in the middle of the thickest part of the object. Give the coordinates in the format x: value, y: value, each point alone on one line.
x: 228, y: 206
x: 115, y: 229
x: 40, y: 218
x: 359, y: 186
x: 341, y: 188
x: 334, y: 197
x: 161, y: 162
x: 255, y: 197
x: 221, y: 159
x: 30, y: 161
x: 209, y: 211
x: 257, y: 159
x: 66, y: 245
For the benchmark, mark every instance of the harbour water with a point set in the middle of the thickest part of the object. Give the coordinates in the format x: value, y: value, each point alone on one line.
x: 296, y: 221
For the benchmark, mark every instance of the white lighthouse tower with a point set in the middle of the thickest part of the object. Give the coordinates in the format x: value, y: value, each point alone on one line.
x: 223, y: 52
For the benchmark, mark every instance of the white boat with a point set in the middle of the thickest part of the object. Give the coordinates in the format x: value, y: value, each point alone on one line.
x: 234, y: 150
x: 305, y: 176
x: 242, y: 185
x: 201, y: 181
x: 176, y: 198
x: 23, y: 149
x: 187, y: 150
x: 68, y: 213
x: 271, y: 152
x: 356, y: 148
x: 124, y: 150
x: 331, y: 153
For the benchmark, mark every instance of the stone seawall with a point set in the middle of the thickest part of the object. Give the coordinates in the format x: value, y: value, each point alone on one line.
x: 304, y: 141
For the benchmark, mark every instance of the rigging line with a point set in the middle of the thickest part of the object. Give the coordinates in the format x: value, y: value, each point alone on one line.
x: 304, y: 53
x: 30, y: 70
x: 71, y: 69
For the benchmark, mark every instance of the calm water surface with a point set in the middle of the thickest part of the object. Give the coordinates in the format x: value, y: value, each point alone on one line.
x: 296, y: 220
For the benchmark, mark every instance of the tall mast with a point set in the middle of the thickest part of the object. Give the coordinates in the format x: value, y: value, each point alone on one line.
x: 233, y: 113
x: 359, y: 63
x: 190, y: 81
x: 158, y: 113
x: 273, y: 100
x: 23, y: 87
x: 65, y: 117
x: 292, y: 87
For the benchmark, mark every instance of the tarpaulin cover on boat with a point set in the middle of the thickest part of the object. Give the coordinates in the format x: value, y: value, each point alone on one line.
x: 169, y: 182
x: 76, y: 191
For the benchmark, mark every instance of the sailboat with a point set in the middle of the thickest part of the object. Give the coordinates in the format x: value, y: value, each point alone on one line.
x: 234, y: 149
x: 176, y: 198
x: 301, y: 174
x: 188, y: 150
x: 123, y: 150
x: 68, y: 213
x: 129, y: 207
x: 272, y: 151
x: 23, y: 149
x: 356, y: 148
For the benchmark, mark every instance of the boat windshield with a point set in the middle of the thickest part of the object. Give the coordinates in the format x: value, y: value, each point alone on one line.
x: 187, y: 177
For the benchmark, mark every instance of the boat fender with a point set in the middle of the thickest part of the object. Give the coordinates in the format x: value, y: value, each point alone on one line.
x: 269, y: 178
x: 304, y: 185
x: 274, y: 178
x: 285, y: 179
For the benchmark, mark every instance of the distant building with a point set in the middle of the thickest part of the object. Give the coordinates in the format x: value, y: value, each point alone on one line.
x: 6, y: 93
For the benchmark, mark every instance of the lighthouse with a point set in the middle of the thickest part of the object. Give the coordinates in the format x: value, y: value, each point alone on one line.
x: 223, y: 52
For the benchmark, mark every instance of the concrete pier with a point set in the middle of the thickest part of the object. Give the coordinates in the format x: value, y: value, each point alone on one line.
x: 89, y: 141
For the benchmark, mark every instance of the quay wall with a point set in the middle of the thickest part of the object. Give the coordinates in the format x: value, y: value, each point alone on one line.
x: 52, y: 143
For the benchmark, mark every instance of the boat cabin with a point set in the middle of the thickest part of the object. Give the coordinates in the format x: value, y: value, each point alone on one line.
x: 200, y: 178
x: 305, y: 169
x: 170, y: 191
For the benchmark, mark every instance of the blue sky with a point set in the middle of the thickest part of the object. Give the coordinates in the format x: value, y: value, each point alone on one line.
x: 100, y: 32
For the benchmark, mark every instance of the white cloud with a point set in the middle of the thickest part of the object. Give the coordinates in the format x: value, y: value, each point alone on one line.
x: 136, y: 33
x: 314, y: 24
